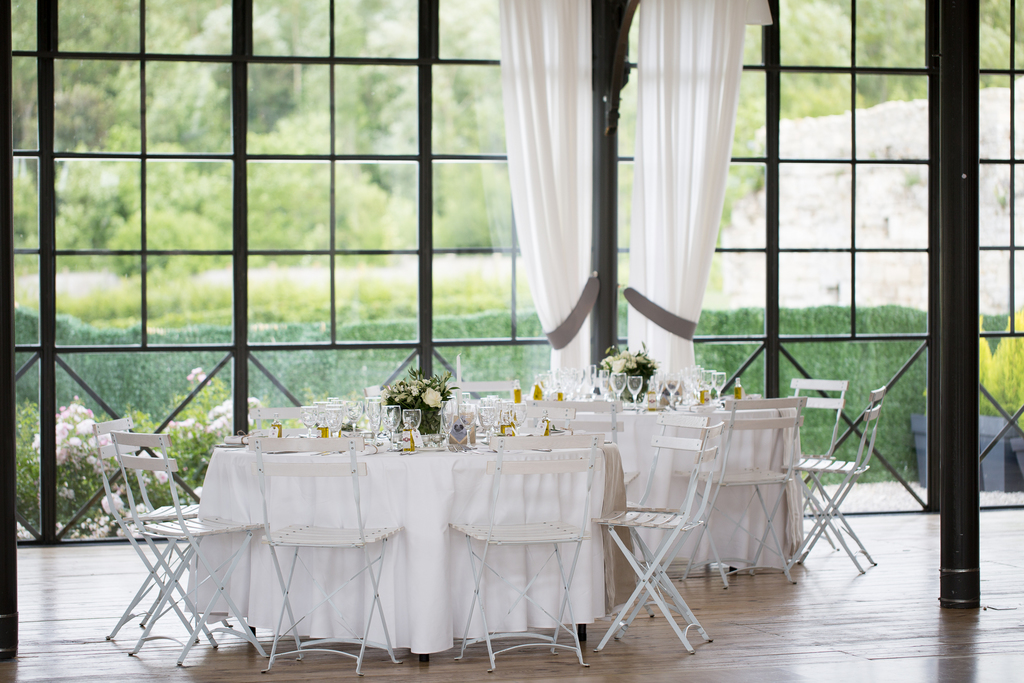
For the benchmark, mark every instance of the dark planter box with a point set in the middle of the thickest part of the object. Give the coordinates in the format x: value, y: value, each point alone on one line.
x: 1001, y: 470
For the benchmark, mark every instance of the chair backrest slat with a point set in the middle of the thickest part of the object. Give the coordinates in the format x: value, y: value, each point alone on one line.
x: 759, y: 423
x: 309, y: 469
x: 303, y: 445
x: 284, y: 413
x: 558, y: 466
x: 533, y: 413
x: 682, y: 421
x: 826, y: 403
x: 524, y: 443
x: 140, y: 440
x: 676, y: 442
x: 123, y: 424
x: 579, y: 406
x: 602, y: 427
x: 801, y: 383
x: 837, y: 403
x: 137, y: 462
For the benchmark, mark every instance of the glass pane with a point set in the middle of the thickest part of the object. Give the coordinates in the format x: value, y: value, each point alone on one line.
x: 99, y: 300
x: 27, y: 425
x: 1018, y: 291
x: 1018, y: 53
x: 376, y: 297
x: 749, y: 138
x: 315, y: 375
x: 814, y: 293
x: 472, y: 205
x: 814, y: 206
x: 90, y: 26
x: 98, y: 204
x: 735, y: 297
x: 994, y: 205
x: 188, y: 205
x: 892, y: 292
x: 994, y: 45
x: 497, y: 363
x: 994, y: 117
x: 376, y: 206
x: 625, y: 202
x: 96, y: 106
x: 892, y: 206
x: 752, y: 53
x: 289, y: 299
x: 527, y: 323
x: 891, y: 33
x: 815, y: 116
x: 23, y: 24
x: 994, y: 286
x: 289, y: 205
x: 467, y: 109
x: 376, y: 110
x: 289, y: 109
x: 472, y: 296
x: 627, y: 114
x: 189, y: 27
x: 868, y: 365
x: 743, y: 214
x: 376, y: 28
x: 26, y: 299
x: 291, y: 27
x: 1018, y: 203
x: 25, y: 103
x: 1018, y: 113
x: 623, y: 305
x: 469, y: 29
x: 188, y: 107
x: 892, y: 117
x: 815, y: 33
x: 729, y: 357
x: 26, y: 203
x: 1001, y: 368
x: 188, y: 299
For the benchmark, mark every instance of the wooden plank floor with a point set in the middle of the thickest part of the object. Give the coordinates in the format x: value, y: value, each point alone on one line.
x: 834, y: 625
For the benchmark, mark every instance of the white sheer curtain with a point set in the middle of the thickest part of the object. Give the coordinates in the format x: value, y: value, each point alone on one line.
x: 689, y: 66
x: 546, y: 91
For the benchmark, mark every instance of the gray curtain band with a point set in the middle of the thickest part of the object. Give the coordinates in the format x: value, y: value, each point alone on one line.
x: 567, y: 331
x: 681, y: 327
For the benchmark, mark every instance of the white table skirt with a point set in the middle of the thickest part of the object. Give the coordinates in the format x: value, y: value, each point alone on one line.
x: 427, y: 583
x: 749, y: 448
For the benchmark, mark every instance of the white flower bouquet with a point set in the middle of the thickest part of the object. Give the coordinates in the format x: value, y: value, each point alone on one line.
x: 424, y: 393
x: 638, y: 364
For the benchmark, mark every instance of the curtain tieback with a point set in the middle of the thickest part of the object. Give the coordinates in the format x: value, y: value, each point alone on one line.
x: 567, y: 331
x: 681, y: 327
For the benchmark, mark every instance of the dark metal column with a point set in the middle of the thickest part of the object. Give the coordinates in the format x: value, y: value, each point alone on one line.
x: 773, y: 355
x: 934, y: 414
x: 428, y: 52
x: 241, y: 45
x: 959, y: 583
x: 8, y: 413
x: 606, y: 16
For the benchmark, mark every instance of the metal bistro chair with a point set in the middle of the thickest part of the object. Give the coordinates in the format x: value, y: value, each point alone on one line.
x: 829, y: 517
x: 296, y: 537
x: 591, y: 416
x: 701, y: 462
x: 194, y: 531
x: 548, y: 532
x: 161, y: 565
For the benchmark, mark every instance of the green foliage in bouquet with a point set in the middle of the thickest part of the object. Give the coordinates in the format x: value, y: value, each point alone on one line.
x: 423, y: 393
x: 633, y: 364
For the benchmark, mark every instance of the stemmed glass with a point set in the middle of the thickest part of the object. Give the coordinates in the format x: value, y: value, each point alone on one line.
x: 488, y: 418
x: 449, y: 412
x: 672, y: 384
x: 335, y: 418
x: 373, y: 415
x: 518, y: 416
x: 411, y: 420
x: 392, y: 420
x: 617, y: 381
x: 308, y: 416
x: 719, y: 379
x: 635, y: 383
x: 602, y: 384
x: 353, y: 411
x: 321, y: 415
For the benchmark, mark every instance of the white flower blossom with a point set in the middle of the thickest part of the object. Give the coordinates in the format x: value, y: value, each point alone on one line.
x: 432, y: 398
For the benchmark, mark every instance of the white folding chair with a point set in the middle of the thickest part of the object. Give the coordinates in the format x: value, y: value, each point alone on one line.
x: 296, y: 537
x: 755, y: 477
x: 476, y: 389
x: 559, y: 417
x: 701, y: 461
x: 591, y: 416
x: 828, y: 516
x: 160, y: 563
x: 371, y: 392
x: 545, y: 532
x: 194, y: 531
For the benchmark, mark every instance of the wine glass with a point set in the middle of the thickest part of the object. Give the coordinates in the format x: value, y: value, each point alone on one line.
x: 602, y: 384
x: 672, y: 384
x: 321, y: 414
x: 335, y: 418
x: 308, y: 417
x: 488, y: 418
x: 411, y: 420
x: 518, y: 416
x: 449, y: 413
x: 707, y: 382
x: 392, y: 420
x: 635, y: 383
x: 617, y: 381
x: 373, y: 415
x: 719, y: 379
x: 353, y: 411
x: 467, y: 411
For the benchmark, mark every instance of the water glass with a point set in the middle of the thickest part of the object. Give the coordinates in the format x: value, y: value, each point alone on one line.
x: 635, y: 383
x: 617, y: 381
x: 373, y: 415
x: 393, y: 420
x: 308, y: 417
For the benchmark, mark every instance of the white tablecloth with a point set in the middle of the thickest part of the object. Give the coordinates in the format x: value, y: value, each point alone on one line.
x: 749, y: 448
x: 427, y: 581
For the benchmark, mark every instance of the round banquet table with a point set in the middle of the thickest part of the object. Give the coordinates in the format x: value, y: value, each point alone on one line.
x: 427, y: 581
x: 749, y: 449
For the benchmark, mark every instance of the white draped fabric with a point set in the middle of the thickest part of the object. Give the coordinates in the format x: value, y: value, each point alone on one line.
x: 689, y: 66
x: 546, y: 91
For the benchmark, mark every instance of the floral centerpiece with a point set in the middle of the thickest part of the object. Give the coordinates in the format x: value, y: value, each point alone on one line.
x: 633, y: 364
x: 425, y: 393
